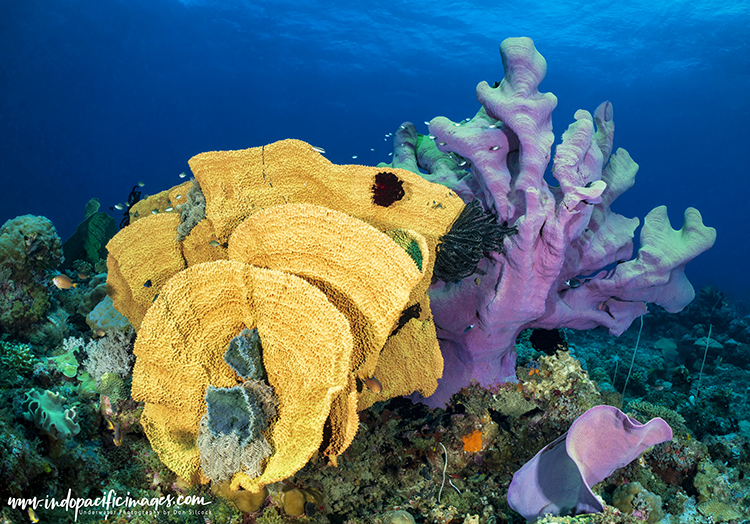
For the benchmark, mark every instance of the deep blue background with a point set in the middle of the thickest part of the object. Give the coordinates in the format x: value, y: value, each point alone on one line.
x: 99, y: 94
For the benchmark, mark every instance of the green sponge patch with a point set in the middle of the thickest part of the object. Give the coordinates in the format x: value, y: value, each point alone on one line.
x: 406, y: 240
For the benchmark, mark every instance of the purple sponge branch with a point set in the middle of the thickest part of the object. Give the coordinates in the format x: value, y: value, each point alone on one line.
x: 569, y: 264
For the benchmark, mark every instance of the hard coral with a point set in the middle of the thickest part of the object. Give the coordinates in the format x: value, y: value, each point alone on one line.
x: 32, y: 242
x: 29, y: 247
x: 632, y: 499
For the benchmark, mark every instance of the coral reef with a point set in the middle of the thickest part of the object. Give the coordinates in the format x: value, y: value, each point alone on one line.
x: 112, y: 353
x: 282, y: 310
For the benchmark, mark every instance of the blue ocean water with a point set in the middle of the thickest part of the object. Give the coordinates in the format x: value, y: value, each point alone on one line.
x: 96, y: 95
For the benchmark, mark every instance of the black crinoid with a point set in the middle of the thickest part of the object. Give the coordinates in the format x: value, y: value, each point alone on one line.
x: 387, y: 189
x: 473, y: 235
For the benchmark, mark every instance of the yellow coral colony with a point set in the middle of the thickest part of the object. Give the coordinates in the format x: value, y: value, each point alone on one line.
x: 322, y: 271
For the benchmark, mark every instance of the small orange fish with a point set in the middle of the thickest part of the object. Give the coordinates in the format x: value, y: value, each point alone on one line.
x: 63, y: 282
x: 99, y: 333
x: 373, y: 384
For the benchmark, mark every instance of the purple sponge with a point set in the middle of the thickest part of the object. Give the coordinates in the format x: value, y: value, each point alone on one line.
x: 558, y: 479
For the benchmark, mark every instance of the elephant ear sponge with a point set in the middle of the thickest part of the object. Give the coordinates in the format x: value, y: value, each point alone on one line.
x: 142, y: 257
x: 181, y: 347
x: 240, y: 183
x: 366, y: 274
x: 362, y: 271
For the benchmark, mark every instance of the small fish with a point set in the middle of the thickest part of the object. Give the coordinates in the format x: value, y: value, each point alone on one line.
x: 373, y: 384
x: 372, y: 149
x: 63, y: 282
x: 141, y: 184
x: 214, y: 243
x: 431, y: 137
x: 32, y: 515
x: 426, y: 122
x: 494, y: 148
x: 319, y: 150
x: 169, y: 209
x: 493, y: 126
x: 573, y: 283
x: 99, y: 333
x: 83, y: 276
x: 470, y: 326
x: 355, y: 156
x: 147, y: 283
x: 154, y: 211
x: 183, y: 174
x: 117, y: 436
x: 177, y: 197
x: 658, y: 387
x: 119, y: 207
